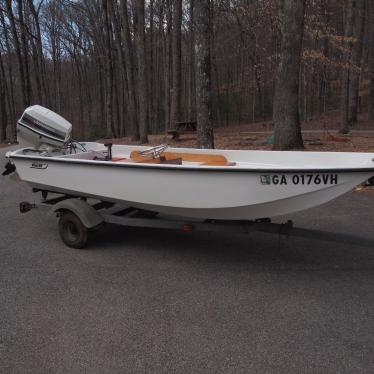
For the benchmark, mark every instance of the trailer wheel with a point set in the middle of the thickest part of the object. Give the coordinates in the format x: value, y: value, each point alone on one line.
x: 72, y: 231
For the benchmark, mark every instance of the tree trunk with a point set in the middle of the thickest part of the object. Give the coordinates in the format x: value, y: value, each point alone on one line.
x: 354, y: 82
x: 120, y: 83
x: 371, y: 62
x: 108, y: 72
x: 176, y: 63
x: 130, y: 72
x: 167, y: 64
x: 24, y: 47
x: 160, y: 93
x: 286, y: 119
x: 371, y: 95
x: 151, y: 68
x: 41, y: 61
x: 17, y: 45
x: 37, y: 74
x: 142, y: 70
x: 3, y: 111
x: 202, y: 13
x: 8, y: 72
x: 371, y: 59
x: 346, y: 73
x: 191, y: 71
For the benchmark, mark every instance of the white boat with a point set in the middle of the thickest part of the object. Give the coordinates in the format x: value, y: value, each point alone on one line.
x: 196, y: 183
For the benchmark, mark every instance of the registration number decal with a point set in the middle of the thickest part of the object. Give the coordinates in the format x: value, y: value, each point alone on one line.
x: 299, y: 179
x: 38, y: 165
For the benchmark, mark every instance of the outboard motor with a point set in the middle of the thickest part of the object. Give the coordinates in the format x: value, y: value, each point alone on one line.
x: 43, y: 128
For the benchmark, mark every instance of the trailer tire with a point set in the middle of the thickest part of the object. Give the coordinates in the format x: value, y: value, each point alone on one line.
x: 72, y: 231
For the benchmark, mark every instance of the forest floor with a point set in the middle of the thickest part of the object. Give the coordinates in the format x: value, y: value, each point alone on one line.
x: 3, y: 145
x: 320, y: 134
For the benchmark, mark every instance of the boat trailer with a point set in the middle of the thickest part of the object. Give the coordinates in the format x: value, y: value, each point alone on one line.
x: 79, y: 217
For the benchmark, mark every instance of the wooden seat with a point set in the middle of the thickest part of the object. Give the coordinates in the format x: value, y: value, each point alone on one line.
x: 204, y: 159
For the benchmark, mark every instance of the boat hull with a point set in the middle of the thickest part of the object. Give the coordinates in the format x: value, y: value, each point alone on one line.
x: 228, y: 194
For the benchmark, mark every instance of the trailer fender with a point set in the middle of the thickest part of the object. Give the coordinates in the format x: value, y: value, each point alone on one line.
x: 84, y: 211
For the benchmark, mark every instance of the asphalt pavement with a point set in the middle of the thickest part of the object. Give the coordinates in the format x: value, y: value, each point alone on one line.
x: 152, y: 301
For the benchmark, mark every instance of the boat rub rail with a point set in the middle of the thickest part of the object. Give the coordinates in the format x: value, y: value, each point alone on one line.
x: 172, y: 167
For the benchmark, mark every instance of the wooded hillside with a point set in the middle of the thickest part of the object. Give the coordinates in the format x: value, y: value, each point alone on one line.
x: 130, y: 67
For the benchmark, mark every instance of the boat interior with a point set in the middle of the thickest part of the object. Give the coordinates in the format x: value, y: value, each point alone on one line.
x: 162, y: 154
x: 175, y: 158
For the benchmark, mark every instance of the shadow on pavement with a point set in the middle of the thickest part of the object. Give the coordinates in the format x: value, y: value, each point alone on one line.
x: 256, y: 251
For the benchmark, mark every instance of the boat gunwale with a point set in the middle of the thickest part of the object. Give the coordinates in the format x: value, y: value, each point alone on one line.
x: 172, y: 167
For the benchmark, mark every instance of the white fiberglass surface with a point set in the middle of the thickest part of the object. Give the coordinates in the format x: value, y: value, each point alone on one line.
x: 275, y: 159
x: 259, y: 159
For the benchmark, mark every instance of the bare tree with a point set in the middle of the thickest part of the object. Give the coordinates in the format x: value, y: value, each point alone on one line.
x: 108, y: 70
x: 139, y: 25
x: 176, y: 66
x: 130, y: 72
x: 39, y: 66
x: 24, y: 48
x: 191, y: 61
x: 17, y: 45
x: 3, y: 111
x: 354, y: 81
x: 9, y: 84
x: 202, y: 14
x: 353, y: 33
x: 167, y: 62
x: 287, y: 132
x: 371, y: 59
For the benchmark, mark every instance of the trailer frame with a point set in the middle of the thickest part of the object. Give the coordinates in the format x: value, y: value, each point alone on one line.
x: 80, y: 216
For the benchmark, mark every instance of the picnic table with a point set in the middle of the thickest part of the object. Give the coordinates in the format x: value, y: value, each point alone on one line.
x: 181, y: 128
